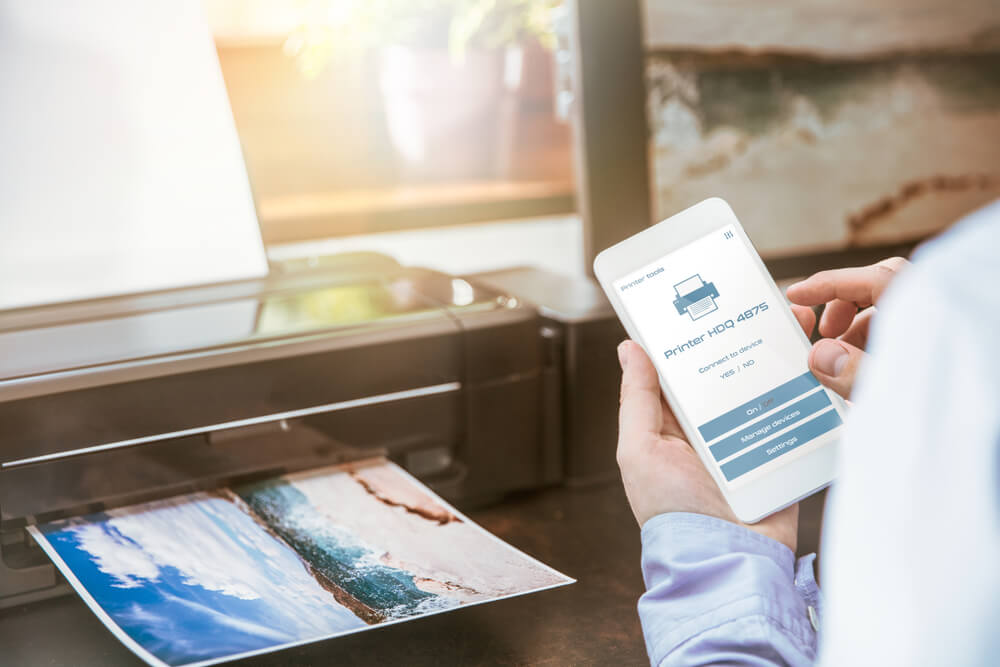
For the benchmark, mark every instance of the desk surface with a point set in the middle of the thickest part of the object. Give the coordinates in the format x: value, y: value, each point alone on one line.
x: 587, y: 533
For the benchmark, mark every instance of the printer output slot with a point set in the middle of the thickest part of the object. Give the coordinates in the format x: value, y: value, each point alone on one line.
x: 124, y: 476
x: 416, y: 427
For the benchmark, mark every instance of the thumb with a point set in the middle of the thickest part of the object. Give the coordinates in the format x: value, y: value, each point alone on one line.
x: 835, y: 364
x: 641, y: 412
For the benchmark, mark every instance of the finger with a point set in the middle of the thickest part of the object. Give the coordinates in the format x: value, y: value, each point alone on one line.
x: 641, y: 412
x: 861, y: 285
x: 837, y: 318
x: 857, y: 334
x: 835, y: 364
x: 806, y: 317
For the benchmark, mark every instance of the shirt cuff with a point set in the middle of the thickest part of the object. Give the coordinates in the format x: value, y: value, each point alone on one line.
x: 702, y: 572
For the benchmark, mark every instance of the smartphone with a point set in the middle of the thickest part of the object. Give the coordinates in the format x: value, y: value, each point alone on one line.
x: 731, y: 357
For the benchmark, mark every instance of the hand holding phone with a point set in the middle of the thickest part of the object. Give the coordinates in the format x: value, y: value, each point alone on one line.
x: 660, y: 470
x: 730, y: 356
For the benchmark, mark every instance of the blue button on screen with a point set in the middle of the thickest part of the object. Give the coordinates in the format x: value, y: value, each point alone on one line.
x: 781, y: 445
x: 758, y: 406
x: 763, y: 429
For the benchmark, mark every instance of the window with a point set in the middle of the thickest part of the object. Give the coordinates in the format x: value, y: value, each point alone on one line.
x: 391, y: 128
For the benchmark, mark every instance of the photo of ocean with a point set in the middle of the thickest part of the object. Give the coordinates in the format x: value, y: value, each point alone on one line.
x: 208, y: 577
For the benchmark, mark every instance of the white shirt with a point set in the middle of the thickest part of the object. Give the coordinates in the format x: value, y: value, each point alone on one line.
x: 911, y: 546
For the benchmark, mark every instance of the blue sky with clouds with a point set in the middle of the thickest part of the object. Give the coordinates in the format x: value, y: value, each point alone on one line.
x: 197, y: 578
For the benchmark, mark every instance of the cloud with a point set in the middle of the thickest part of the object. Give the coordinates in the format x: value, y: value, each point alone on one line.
x: 116, y: 555
x: 184, y: 546
x: 204, y: 538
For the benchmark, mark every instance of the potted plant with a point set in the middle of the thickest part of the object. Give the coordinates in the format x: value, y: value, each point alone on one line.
x: 448, y: 71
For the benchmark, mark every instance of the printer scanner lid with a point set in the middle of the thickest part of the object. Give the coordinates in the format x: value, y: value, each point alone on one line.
x: 121, y: 170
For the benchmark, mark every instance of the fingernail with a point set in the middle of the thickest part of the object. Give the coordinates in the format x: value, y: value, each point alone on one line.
x: 830, y: 357
x: 623, y: 354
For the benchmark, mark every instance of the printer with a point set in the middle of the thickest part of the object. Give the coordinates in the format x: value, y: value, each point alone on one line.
x: 148, y: 348
x: 478, y: 385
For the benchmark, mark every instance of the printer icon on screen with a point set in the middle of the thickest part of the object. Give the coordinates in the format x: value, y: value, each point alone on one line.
x: 695, y: 297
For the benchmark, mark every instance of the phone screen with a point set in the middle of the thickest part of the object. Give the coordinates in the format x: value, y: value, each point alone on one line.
x: 730, y: 355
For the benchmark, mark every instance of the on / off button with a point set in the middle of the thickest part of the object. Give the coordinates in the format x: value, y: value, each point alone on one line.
x: 751, y: 409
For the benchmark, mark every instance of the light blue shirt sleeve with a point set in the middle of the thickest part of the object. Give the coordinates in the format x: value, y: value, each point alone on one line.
x: 718, y: 593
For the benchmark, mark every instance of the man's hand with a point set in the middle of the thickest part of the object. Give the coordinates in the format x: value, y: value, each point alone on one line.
x: 661, y: 472
x: 850, y: 296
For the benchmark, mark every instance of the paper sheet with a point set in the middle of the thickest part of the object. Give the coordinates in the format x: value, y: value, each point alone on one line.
x: 208, y: 577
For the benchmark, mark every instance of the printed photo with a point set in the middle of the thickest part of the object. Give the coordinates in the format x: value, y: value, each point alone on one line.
x: 209, y: 577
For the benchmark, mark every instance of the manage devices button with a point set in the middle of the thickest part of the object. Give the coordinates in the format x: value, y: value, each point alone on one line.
x: 768, y: 426
x: 758, y: 406
x: 781, y: 445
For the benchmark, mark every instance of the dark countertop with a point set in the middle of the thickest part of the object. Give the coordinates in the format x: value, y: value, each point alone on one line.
x: 587, y: 533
